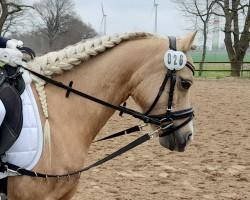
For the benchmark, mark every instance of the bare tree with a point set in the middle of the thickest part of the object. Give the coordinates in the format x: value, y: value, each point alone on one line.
x: 53, y: 18
x: 237, y: 30
x: 78, y: 31
x: 200, y: 12
x: 10, y: 11
x: 15, y: 23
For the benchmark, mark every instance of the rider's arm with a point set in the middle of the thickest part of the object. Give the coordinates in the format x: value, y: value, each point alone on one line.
x: 3, y: 42
x: 10, y: 43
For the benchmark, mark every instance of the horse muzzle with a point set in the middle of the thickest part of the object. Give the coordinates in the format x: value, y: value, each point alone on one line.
x: 176, y: 141
x: 175, y: 136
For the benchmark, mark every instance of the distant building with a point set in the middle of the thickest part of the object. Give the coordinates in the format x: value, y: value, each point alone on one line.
x: 216, y: 30
x: 200, y: 48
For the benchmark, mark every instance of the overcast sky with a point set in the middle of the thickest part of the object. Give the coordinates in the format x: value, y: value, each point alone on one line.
x: 132, y: 15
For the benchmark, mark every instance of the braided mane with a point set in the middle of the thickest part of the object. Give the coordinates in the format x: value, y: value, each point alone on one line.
x: 67, y: 58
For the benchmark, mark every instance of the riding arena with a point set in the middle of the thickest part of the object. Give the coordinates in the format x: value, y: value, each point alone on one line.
x: 215, y: 165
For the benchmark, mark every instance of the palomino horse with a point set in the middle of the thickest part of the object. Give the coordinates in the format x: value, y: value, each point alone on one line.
x: 135, y: 68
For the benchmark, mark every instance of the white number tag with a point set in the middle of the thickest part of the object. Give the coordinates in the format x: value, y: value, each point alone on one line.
x: 175, y: 60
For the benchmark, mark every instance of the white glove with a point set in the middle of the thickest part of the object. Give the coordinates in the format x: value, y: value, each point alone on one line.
x: 13, y: 44
x: 13, y: 57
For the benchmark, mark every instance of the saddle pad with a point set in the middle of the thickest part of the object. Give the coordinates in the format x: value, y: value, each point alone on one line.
x: 27, y: 149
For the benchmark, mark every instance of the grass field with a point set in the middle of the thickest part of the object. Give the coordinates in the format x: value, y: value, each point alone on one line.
x: 219, y: 74
x: 218, y: 57
x: 215, y: 57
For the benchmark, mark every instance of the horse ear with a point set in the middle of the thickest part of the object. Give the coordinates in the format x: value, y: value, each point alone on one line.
x: 185, y: 43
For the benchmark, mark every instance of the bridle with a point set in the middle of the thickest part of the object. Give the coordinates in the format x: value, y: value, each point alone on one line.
x: 164, y: 121
x: 169, y: 117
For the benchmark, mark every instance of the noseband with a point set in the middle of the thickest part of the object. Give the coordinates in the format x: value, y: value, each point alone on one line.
x: 170, y: 116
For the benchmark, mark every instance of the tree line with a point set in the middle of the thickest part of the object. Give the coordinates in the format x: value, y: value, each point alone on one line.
x: 53, y: 24
x: 45, y: 26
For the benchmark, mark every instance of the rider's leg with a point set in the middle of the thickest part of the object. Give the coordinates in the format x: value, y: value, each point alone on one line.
x: 2, y: 112
x: 2, y: 181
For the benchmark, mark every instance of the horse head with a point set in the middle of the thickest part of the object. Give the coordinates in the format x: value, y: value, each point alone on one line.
x: 151, y: 77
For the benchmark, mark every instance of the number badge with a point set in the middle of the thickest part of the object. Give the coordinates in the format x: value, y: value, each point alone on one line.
x: 175, y: 60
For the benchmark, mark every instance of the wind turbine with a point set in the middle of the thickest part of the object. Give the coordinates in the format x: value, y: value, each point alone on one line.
x: 155, y: 6
x: 103, y: 21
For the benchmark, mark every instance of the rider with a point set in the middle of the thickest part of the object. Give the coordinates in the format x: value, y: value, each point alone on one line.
x: 9, y: 54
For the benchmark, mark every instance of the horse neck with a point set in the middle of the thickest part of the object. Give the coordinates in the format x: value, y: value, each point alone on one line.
x: 107, y: 77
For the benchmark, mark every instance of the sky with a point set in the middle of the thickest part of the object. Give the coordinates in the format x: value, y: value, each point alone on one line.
x: 133, y: 15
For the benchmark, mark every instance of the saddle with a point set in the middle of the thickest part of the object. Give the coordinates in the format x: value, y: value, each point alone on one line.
x: 11, y: 87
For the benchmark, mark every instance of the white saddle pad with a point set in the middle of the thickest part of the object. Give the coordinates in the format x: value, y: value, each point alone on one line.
x: 27, y: 150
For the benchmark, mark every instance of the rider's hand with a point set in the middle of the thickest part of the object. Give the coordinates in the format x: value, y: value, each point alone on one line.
x: 13, y: 57
x: 13, y: 44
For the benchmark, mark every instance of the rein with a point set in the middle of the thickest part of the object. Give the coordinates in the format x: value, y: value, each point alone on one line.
x: 164, y: 122
x: 20, y: 171
x: 69, y: 89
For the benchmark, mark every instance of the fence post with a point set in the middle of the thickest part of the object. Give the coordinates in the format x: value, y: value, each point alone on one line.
x: 241, y: 68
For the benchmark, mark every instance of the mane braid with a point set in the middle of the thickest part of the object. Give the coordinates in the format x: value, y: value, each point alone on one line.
x: 67, y: 58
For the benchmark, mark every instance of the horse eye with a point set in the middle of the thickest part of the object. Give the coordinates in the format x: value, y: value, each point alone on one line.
x: 185, y: 84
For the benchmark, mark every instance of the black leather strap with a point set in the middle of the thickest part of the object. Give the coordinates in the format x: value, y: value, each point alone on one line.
x: 172, y: 43
x: 128, y: 147
x: 123, y: 105
x: 131, y: 112
x: 175, y: 128
x: 3, y: 182
x: 171, y: 91
x: 181, y: 114
x: 3, y: 75
x: 191, y: 67
x: 14, y: 78
x: 69, y: 89
x: 124, y: 132
x: 168, y: 74
x: 3, y: 185
x: 28, y: 51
